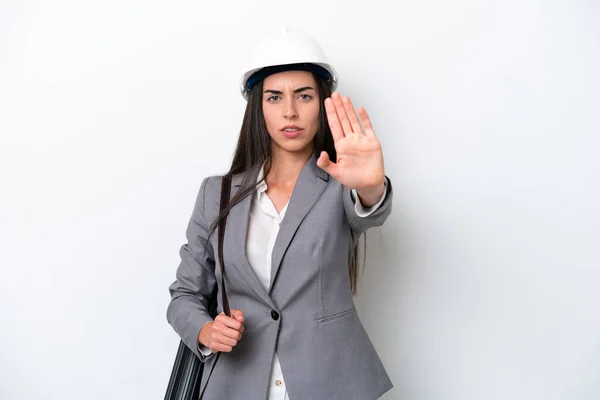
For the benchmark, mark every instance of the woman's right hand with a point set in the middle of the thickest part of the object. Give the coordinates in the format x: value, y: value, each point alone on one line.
x: 223, y: 333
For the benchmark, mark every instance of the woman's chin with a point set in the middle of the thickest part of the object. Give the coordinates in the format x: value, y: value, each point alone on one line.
x: 295, y: 145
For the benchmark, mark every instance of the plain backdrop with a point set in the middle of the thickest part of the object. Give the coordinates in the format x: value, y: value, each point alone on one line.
x: 482, y: 284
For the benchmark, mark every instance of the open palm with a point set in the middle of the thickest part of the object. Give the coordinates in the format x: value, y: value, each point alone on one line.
x: 359, y: 163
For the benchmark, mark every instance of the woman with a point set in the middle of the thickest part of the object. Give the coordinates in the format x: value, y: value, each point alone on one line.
x: 307, y: 181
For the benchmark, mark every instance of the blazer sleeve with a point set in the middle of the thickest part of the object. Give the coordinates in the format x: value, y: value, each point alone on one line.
x: 377, y: 218
x: 195, y: 282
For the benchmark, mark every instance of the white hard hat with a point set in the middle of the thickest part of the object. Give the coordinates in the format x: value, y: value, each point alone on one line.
x: 291, y: 49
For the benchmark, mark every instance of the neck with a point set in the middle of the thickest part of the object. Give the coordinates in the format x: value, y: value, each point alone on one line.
x: 286, y: 166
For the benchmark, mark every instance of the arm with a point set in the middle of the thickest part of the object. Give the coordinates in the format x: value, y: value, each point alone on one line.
x: 359, y: 163
x: 195, y: 280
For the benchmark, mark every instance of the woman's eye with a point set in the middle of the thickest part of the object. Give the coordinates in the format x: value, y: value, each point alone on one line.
x: 273, y: 98
x: 305, y: 96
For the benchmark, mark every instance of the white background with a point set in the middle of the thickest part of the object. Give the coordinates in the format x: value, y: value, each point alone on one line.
x: 482, y: 284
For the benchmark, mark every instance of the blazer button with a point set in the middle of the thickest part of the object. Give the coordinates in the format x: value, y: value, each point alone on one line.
x: 274, y: 315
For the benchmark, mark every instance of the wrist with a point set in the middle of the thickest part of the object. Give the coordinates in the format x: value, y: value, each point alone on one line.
x: 371, y: 195
x: 204, y: 334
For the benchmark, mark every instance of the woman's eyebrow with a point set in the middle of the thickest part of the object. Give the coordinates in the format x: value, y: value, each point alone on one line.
x: 302, y: 89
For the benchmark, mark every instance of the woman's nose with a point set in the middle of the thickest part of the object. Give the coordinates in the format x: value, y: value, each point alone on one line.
x: 290, y: 109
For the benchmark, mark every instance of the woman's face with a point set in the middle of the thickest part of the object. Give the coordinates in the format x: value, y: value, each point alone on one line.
x: 290, y: 104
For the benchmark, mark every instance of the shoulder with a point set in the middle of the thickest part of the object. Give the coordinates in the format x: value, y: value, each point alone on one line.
x: 211, y: 184
x: 210, y: 190
x: 207, y: 199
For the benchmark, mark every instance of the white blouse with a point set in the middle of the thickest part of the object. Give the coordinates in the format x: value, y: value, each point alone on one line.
x: 265, y: 222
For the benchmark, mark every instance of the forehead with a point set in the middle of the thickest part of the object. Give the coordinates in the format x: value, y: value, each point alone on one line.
x: 291, y: 79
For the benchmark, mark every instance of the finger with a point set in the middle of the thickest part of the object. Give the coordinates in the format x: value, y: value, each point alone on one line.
x: 217, y: 338
x: 217, y: 347
x: 223, y: 331
x: 238, y: 315
x: 229, y: 322
x: 332, y: 119
x: 341, y: 113
x: 364, y: 117
x: 224, y: 340
x: 229, y: 337
x: 356, y: 128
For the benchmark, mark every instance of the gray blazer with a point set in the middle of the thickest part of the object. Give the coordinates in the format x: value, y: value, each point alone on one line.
x: 308, y: 315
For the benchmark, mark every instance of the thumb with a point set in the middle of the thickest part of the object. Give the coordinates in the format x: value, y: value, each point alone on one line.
x: 326, y: 164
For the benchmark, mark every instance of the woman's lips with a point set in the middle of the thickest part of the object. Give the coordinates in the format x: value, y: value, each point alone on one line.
x: 292, y: 132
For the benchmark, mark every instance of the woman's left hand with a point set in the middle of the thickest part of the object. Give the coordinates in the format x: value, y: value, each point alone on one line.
x: 359, y: 163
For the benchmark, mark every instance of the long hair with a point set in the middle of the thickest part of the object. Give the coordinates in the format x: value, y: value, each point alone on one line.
x: 254, y: 148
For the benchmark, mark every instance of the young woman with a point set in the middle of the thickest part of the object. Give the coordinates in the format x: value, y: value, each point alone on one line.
x: 307, y: 180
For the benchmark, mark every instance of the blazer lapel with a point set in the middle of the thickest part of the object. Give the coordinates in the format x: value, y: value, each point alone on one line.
x: 309, y: 186
x: 237, y: 234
